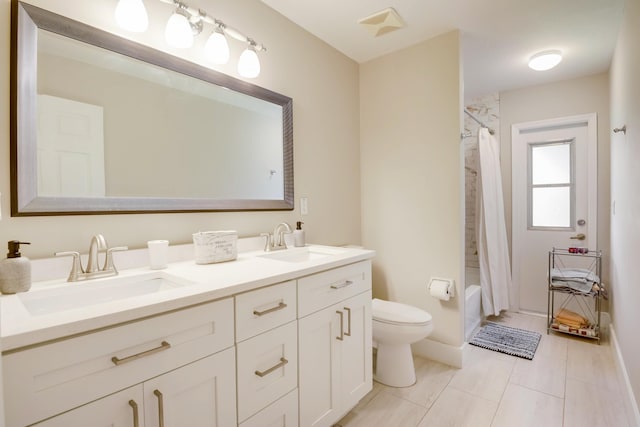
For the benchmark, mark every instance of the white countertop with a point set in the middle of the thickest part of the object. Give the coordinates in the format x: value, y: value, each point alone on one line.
x: 19, y: 328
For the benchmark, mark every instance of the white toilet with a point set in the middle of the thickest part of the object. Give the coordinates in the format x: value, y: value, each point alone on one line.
x: 395, y: 327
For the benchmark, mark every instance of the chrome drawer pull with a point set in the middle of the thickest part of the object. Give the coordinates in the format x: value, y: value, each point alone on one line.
x: 342, y: 285
x: 348, y: 310
x: 160, y: 407
x: 134, y: 405
x: 283, y: 362
x: 280, y: 306
x: 341, y: 337
x: 163, y: 346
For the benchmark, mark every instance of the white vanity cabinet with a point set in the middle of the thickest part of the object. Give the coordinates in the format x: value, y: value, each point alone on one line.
x: 334, y: 336
x: 55, y: 377
x: 292, y: 349
x: 194, y: 395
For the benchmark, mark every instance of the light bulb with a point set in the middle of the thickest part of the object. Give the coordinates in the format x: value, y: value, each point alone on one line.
x: 216, y: 49
x: 249, y: 64
x: 132, y: 15
x: 178, y: 32
x: 546, y: 60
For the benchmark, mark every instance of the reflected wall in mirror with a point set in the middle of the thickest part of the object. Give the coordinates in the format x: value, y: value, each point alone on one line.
x: 104, y: 125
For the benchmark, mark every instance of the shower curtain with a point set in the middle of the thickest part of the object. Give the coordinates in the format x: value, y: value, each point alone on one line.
x: 493, y: 250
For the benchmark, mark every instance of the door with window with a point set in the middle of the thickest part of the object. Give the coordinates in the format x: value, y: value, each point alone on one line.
x: 554, y: 196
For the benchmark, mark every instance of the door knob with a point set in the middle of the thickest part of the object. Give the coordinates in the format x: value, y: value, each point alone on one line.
x: 579, y: 236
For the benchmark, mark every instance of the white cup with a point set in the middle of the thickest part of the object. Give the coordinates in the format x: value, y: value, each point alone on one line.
x: 158, y: 253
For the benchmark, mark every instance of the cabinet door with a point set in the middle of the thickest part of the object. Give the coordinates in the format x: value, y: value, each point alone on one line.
x: 199, y: 394
x: 356, y: 370
x: 319, y: 379
x: 117, y: 410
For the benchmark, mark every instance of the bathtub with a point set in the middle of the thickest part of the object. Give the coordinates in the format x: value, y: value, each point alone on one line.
x: 472, y: 301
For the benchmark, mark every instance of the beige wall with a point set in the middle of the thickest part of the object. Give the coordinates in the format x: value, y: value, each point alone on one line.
x: 567, y: 98
x: 625, y: 195
x: 410, y: 119
x: 323, y: 84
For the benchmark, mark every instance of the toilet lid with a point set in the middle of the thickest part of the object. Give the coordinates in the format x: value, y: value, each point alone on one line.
x: 397, y: 313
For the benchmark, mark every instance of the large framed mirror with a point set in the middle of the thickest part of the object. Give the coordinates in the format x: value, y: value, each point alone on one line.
x: 101, y: 124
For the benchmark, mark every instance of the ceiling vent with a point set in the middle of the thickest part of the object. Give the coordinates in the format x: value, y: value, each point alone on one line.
x: 382, y: 22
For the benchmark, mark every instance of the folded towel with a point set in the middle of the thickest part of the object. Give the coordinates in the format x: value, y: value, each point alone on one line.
x: 571, y: 318
x: 570, y: 323
x: 584, y: 287
x: 571, y: 315
x: 574, y: 274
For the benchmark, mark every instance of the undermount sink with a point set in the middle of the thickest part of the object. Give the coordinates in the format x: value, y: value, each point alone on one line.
x: 100, y: 291
x: 307, y: 253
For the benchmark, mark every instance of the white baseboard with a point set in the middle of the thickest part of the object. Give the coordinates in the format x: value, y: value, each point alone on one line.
x: 628, y: 394
x: 443, y: 353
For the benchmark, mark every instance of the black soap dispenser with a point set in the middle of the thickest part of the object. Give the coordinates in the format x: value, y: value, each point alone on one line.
x: 15, y: 270
x: 298, y: 235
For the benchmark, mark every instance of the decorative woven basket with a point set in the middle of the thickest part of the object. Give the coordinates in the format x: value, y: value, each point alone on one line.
x: 215, y: 246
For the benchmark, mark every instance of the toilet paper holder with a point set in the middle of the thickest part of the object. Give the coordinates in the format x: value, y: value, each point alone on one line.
x: 438, y: 281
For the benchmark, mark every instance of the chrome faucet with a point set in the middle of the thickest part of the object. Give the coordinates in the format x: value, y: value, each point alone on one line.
x: 93, y: 270
x: 275, y: 241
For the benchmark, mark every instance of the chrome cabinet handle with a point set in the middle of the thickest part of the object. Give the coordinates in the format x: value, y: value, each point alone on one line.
x: 341, y: 337
x: 579, y: 236
x: 279, y: 365
x: 163, y: 346
x: 342, y: 285
x: 280, y: 306
x: 160, y: 407
x: 134, y: 405
x: 348, y: 310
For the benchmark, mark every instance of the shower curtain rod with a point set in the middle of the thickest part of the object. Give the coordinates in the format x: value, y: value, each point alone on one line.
x: 478, y: 121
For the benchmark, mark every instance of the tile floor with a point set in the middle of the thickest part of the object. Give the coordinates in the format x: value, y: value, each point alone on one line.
x: 570, y: 382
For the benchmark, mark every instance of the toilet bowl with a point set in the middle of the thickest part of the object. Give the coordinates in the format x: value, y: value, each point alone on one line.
x: 395, y: 327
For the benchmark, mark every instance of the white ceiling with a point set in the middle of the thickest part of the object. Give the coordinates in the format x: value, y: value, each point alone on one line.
x: 498, y: 35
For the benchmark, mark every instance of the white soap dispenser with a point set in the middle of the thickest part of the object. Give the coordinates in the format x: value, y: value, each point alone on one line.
x: 298, y: 235
x: 15, y: 270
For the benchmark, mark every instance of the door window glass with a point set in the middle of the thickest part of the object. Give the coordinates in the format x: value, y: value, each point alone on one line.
x: 551, y: 185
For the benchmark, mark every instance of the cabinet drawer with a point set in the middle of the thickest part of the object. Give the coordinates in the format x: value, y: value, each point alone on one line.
x: 56, y: 377
x: 264, y: 309
x: 267, y: 368
x: 283, y: 413
x: 329, y: 287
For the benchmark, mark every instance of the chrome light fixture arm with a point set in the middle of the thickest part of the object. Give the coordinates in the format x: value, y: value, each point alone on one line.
x: 199, y: 16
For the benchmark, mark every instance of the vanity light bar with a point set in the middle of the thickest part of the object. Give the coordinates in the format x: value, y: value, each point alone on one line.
x: 187, y: 22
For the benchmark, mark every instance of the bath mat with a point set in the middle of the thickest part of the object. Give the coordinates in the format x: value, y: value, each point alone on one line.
x: 508, y: 340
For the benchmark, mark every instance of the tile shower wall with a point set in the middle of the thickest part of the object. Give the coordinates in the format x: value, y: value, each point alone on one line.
x: 487, y: 110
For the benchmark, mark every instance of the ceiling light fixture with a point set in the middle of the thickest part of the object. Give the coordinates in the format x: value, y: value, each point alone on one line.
x: 545, y: 60
x: 185, y: 23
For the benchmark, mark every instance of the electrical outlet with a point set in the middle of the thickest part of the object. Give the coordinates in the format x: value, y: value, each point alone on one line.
x: 304, y: 206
